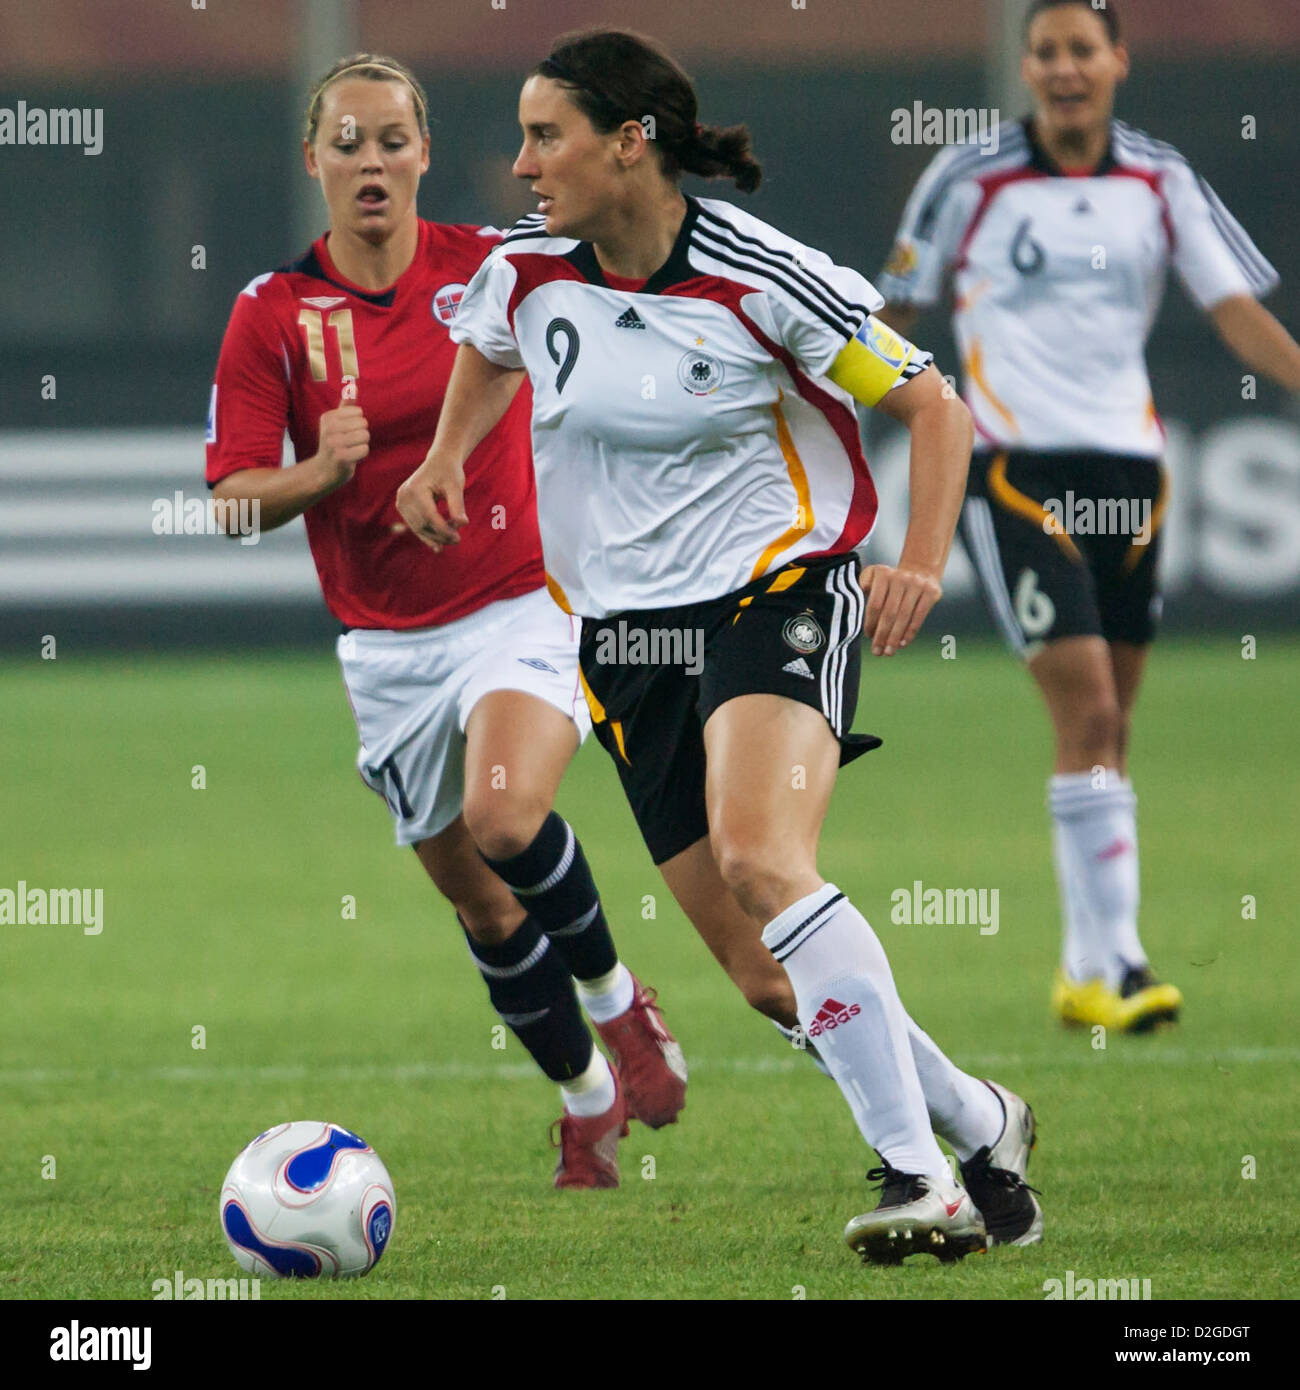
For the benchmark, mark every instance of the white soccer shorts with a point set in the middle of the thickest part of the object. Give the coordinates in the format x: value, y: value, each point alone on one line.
x: 412, y: 694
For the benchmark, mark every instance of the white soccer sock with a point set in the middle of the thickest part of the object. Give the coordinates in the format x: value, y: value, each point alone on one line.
x: 593, y: 1092
x: 849, y: 1008
x: 1095, y: 842
x: 963, y: 1110
x: 607, y: 996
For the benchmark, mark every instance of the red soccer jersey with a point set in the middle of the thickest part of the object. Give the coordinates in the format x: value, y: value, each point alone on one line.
x: 294, y: 335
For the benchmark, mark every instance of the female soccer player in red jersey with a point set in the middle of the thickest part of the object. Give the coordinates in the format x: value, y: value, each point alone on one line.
x: 693, y: 373
x: 462, y: 674
x: 1058, y: 243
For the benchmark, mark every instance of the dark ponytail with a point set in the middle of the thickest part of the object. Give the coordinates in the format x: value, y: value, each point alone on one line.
x: 722, y: 151
x: 613, y: 76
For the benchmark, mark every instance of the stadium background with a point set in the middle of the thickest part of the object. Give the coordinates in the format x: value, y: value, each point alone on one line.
x: 188, y: 749
x: 202, y: 119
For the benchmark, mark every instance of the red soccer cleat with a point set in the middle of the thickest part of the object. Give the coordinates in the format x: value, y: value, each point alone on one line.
x: 588, y: 1145
x: 648, y: 1060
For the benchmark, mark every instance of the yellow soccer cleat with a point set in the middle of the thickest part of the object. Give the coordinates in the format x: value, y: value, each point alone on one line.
x: 1140, y: 1003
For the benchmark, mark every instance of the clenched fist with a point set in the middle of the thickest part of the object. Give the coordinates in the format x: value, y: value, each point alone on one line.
x: 344, y: 442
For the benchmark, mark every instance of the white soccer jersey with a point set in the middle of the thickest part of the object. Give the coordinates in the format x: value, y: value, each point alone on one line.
x: 684, y: 437
x: 1057, y: 279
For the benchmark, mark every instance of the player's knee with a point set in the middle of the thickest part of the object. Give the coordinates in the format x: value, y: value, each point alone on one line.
x: 503, y: 826
x: 759, y: 875
x: 483, y: 903
x: 489, y: 922
x: 1097, y: 731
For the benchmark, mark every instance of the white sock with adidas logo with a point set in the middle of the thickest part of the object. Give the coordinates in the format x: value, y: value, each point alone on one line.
x: 1095, y: 844
x: 849, y: 1008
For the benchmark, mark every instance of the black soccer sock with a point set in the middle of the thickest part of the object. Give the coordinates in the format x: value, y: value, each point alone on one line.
x: 553, y: 883
x: 529, y: 985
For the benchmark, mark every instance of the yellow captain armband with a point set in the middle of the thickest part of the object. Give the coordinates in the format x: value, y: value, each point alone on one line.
x: 872, y: 361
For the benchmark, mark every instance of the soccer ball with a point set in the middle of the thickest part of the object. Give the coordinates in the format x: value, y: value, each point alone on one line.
x: 306, y: 1200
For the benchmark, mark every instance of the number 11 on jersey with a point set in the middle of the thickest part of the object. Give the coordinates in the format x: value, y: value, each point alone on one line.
x: 313, y: 320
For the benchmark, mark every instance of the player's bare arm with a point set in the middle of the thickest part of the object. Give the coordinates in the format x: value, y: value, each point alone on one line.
x: 284, y: 493
x: 1258, y: 340
x: 478, y: 394
x: 900, y: 597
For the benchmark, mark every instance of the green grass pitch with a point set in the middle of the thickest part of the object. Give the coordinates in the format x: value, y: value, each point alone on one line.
x: 223, y: 910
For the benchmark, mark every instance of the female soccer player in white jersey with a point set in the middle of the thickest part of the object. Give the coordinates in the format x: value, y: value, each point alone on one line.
x: 1057, y: 246
x: 463, y: 676
x: 701, y: 493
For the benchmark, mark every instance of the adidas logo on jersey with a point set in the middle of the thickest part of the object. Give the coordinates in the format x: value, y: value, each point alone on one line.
x: 629, y: 319
x: 831, y: 1015
x: 799, y: 667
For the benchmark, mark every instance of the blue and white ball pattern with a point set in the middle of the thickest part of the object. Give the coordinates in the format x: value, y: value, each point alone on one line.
x: 307, y: 1200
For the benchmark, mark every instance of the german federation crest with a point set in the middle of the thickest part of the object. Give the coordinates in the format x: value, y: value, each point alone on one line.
x: 446, y: 302
x: 700, y: 373
x: 803, y: 632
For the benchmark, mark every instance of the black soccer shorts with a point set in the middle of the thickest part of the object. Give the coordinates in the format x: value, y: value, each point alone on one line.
x: 1066, y: 544
x: 654, y: 677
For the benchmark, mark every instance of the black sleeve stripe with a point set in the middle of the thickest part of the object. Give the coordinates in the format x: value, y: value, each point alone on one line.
x: 525, y: 234
x: 960, y: 168
x: 933, y: 205
x: 777, y: 257
x: 1253, y: 262
x: 528, y: 225
x: 919, y: 362
x: 838, y: 323
x: 1141, y: 140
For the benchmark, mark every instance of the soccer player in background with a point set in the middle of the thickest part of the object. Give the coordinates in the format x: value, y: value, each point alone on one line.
x: 462, y: 675
x: 1057, y: 247
x: 693, y: 373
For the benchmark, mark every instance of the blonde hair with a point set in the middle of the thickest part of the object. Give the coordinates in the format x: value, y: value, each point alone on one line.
x: 376, y: 69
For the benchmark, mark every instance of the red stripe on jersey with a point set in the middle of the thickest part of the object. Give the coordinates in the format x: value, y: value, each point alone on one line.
x: 990, y: 186
x: 862, y: 504
x: 1155, y: 182
x: 533, y: 269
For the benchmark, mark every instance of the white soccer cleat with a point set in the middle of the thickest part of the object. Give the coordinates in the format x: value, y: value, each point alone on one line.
x: 916, y: 1216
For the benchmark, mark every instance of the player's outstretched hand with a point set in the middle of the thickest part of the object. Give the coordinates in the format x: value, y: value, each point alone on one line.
x: 417, y: 501
x: 344, y: 440
x: 898, y: 601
